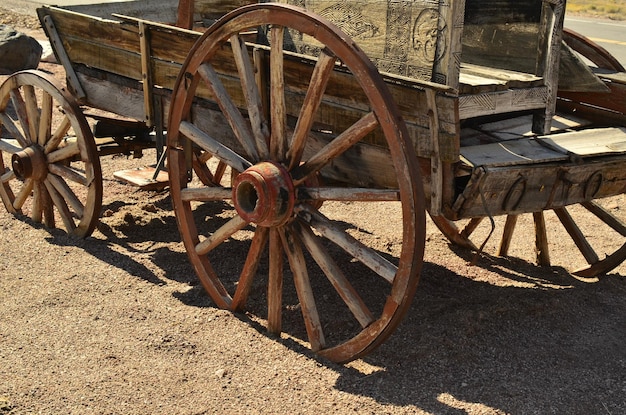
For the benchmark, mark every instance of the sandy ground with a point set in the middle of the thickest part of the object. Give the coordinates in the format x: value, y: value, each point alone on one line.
x: 117, y: 324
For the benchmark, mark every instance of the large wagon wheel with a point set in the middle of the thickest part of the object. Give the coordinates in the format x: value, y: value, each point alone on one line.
x: 49, y: 163
x: 273, y: 209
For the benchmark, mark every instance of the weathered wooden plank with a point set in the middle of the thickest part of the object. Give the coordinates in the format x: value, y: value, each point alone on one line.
x: 512, y: 79
x: 105, y: 32
x: 514, y: 152
x: 404, y: 38
x: 590, y: 142
x: 544, y: 186
x: 471, y: 106
x: 474, y: 84
x: 214, y: 9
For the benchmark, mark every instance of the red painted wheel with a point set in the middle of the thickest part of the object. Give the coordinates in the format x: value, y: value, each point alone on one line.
x: 350, y: 295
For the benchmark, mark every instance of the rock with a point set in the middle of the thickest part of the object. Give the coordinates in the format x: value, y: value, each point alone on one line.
x: 18, y: 51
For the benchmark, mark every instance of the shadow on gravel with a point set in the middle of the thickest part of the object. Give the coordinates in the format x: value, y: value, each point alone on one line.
x: 138, y: 236
x: 557, y: 346
x: 539, y: 342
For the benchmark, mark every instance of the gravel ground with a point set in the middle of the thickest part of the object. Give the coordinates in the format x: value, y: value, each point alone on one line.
x: 117, y: 324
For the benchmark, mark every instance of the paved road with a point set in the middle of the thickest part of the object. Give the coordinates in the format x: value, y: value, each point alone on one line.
x: 608, y: 34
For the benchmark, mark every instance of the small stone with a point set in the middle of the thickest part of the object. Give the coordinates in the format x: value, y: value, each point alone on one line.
x: 220, y: 373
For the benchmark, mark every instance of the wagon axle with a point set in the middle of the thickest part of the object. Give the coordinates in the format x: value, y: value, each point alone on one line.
x: 264, y: 194
x: 30, y: 163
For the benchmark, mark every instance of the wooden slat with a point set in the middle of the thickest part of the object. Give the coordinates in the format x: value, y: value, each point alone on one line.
x: 514, y: 152
x: 590, y: 142
x: 510, y: 79
x: 500, y: 102
x: 544, y: 186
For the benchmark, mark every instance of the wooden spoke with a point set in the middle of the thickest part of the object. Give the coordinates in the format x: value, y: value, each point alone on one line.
x: 347, y: 194
x: 13, y: 130
x: 303, y: 288
x: 47, y: 206
x: 312, y: 100
x: 203, y: 171
x: 451, y: 231
x: 67, y: 194
x: 230, y: 110
x: 8, y: 176
x: 471, y: 227
x: 37, y: 214
x: 278, y: 114
x: 23, y: 194
x: 611, y: 243
x: 340, y: 144
x: 61, y: 206
x: 606, y: 217
x: 32, y: 112
x: 22, y: 114
x: 509, y: 227
x: 7, y: 196
x: 334, y: 274
x: 577, y: 236
x: 214, y: 147
x: 252, y: 96
x: 541, y: 239
x: 64, y: 153
x: 226, y: 231
x: 7, y: 146
x: 368, y: 256
x: 275, y: 284
x: 249, y: 270
x: 69, y: 173
x: 58, y: 135
x: 45, y: 122
x: 206, y: 194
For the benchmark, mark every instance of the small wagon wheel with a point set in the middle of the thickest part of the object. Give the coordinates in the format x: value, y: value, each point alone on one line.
x: 275, y: 207
x: 49, y: 163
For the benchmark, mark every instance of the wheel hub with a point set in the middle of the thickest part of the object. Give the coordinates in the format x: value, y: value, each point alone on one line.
x: 30, y: 163
x: 264, y: 194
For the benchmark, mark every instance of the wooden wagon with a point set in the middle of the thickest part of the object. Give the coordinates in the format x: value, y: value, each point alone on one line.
x: 282, y: 123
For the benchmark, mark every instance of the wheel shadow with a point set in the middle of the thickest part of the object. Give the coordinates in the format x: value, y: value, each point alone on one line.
x: 138, y: 235
x: 539, y: 341
x: 553, y: 344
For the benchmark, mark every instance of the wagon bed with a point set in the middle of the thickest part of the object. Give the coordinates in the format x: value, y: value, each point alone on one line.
x: 271, y: 112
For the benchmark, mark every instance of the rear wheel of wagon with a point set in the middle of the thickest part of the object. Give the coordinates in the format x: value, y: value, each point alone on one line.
x: 284, y: 216
x: 591, y: 236
x: 593, y: 233
x: 49, y: 166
